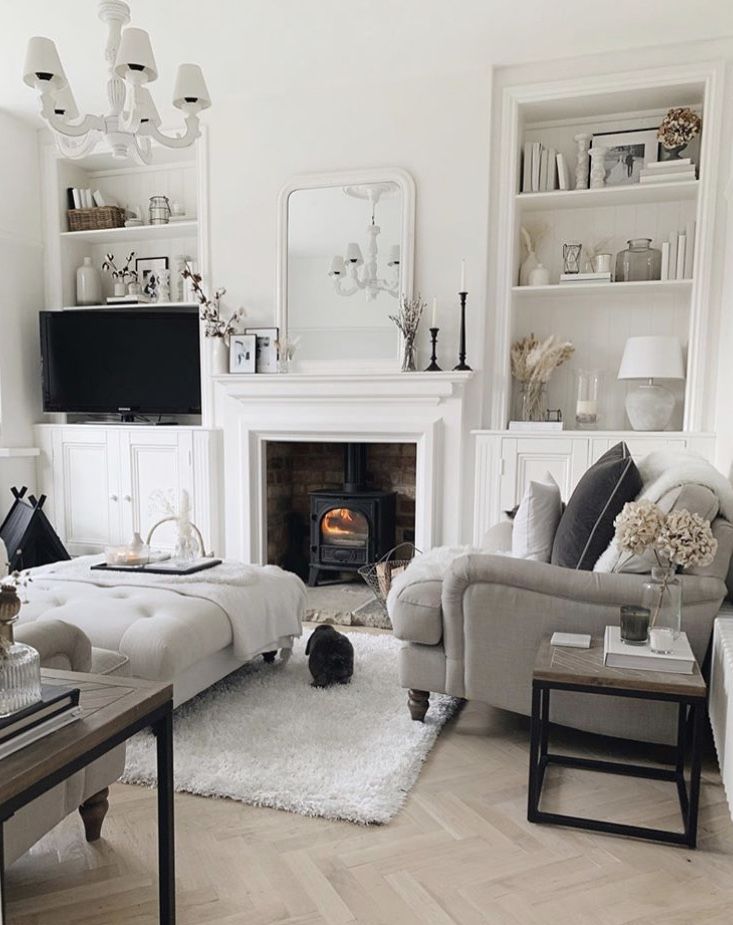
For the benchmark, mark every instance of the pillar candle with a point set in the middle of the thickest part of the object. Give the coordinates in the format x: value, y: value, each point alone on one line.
x: 463, y: 275
x: 434, y: 322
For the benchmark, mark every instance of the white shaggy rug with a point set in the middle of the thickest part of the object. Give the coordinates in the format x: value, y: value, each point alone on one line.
x: 264, y: 736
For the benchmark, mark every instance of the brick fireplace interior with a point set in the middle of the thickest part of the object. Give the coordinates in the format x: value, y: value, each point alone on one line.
x: 297, y: 470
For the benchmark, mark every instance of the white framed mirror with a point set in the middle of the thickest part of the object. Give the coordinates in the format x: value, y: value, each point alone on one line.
x: 345, y: 256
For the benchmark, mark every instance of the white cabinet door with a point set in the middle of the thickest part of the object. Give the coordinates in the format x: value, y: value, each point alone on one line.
x: 156, y: 465
x: 87, y: 503
x: 527, y: 459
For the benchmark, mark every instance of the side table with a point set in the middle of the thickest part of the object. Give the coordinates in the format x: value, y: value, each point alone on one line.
x: 583, y: 671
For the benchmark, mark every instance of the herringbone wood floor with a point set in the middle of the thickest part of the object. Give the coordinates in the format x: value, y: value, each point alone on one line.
x: 462, y: 852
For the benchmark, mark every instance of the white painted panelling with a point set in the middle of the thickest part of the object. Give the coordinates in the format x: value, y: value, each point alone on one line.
x: 721, y: 697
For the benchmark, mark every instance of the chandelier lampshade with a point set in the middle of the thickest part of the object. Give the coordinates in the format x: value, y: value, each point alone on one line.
x: 135, y: 56
x: 190, y: 89
x: 132, y: 122
x: 354, y: 254
x: 338, y: 268
x: 43, y: 68
x: 393, y: 257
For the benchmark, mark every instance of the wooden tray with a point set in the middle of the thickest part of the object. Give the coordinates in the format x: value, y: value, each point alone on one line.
x: 158, y: 568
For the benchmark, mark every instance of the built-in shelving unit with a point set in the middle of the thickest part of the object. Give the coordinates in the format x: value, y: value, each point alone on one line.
x: 599, y: 317
x: 172, y: 231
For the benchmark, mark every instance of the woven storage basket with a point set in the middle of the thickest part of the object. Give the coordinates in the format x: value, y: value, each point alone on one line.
x: 96, y: 218
x: 378, y: 575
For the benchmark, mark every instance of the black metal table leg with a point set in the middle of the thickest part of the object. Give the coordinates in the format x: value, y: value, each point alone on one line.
x: 534, y: 747
x: 698, y: 718
x: 163, y: 730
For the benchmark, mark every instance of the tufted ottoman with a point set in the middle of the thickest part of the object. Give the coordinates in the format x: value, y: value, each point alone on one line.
x: 163, y: 635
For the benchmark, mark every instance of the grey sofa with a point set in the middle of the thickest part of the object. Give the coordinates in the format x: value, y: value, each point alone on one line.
x: 475, y: 634
x: 67, y: 648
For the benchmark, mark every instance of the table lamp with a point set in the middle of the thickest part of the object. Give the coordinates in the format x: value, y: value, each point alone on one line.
x: 649, y: 406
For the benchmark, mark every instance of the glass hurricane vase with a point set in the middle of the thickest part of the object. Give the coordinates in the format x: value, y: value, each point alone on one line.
x: 662, y: 594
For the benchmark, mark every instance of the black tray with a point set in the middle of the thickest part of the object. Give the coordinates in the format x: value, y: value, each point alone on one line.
x: 157, y: 568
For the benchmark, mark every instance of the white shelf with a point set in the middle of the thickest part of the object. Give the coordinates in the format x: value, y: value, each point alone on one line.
x: 78, y: 308
x: 607, y: 196
x: 647, y: 287
x: 19, y: 452
x: 187, y: 229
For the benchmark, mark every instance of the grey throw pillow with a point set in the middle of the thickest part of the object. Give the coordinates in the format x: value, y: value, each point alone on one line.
x: 586, y: 527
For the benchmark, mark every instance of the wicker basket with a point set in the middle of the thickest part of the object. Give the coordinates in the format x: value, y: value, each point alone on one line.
x: 96, y: 218
x: 378, y: 575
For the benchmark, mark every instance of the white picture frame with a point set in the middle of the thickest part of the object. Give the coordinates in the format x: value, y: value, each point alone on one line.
x: 242, y: 353
x: 627, y: 153
x: 266, y: 348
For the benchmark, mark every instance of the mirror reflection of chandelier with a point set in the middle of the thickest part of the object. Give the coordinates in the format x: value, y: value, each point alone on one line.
x: 351, y: 273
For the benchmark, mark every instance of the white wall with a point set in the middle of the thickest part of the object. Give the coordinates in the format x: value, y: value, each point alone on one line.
x: 21, y: 297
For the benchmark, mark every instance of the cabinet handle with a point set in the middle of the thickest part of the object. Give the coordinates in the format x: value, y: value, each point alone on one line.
x: 128, y: 498
x: 113, y: 498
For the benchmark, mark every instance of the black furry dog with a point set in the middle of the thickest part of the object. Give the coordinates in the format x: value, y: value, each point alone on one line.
x: 331, y: 658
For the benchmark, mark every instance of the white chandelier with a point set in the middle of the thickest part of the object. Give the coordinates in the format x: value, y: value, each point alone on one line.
x: 351, y: 273
x: 132, y: 120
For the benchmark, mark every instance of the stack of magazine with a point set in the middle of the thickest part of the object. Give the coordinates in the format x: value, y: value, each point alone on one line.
x: 57, y: 707
x: 617, y: 654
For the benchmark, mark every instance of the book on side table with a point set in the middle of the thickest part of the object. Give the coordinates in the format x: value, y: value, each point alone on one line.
x: 617, y: 654
x: 57, y: 707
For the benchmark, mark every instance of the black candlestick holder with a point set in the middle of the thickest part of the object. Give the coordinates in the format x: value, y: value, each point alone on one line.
x: 433, y: 368
x: 462, y: 365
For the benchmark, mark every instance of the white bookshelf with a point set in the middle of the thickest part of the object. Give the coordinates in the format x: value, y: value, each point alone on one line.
x: 122, y: 236
x: 598, y: 318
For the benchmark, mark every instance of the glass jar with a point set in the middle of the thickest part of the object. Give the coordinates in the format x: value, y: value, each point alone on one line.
x: 587, y: 388
x: 159, y: 210
x: 571, y: 257
x: 639, y: 262
x: 532, y: 401
x: 20, y: 665
x: 662, y: 594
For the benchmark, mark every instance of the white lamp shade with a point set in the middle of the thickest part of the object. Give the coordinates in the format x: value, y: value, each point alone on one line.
x: 146, y: 108
x: 657, y: 357
x: 393, y: 259
x: 64, y: 104
x: 190, y: 88
x: 337, y: 267
x: 135, y: 54
x: 353, y: 254
x: 42, y: 62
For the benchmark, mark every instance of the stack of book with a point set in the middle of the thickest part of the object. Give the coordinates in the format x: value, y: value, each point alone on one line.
x: 678, y: 254
x: 83, y: 198
x: 676, y: 171
x: 544, y: 169
x: 617, y: 654
x: 584, y: 278
x: 57, y: 707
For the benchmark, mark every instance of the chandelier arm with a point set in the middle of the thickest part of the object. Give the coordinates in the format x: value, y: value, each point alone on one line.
x: 71, y: 129
x: 341, y: 290
x: 192, y: 132
x: 76, y: 147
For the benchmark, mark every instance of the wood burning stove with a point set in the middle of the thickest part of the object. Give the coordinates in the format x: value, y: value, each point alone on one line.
x: 353, y: 526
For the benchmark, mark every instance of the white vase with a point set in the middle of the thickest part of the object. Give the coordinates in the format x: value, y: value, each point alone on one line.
x: 539, y: 276
x: 597, y: 167
x: 88, y: 284
x: 581, y: 167
x: 529, y: 263
x: 218, y: 356
x: 120, y: 288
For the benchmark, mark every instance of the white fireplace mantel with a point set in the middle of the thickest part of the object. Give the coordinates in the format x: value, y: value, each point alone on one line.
x: 424, y: 408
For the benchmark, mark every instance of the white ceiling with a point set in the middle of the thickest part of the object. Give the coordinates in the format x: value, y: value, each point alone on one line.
x: 262, y: 47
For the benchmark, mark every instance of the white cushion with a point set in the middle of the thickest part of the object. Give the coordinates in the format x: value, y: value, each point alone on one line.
x: 3, y: 559
x: 536, y: 521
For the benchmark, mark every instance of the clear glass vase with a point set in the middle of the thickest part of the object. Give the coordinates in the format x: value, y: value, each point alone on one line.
x: 20, y: 665
x: 662, y: 594
x: 639, y: 262
x: 408, y: 355
x: 532, y: 402
x: 587, y: 394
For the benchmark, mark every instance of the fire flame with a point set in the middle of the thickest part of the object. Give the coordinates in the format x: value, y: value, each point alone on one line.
x: 340, y: 522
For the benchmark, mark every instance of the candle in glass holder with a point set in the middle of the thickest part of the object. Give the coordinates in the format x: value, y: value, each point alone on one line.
x: 634, y: 624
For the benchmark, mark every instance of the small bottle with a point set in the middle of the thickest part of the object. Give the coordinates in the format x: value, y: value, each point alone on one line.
x: 20, y: 665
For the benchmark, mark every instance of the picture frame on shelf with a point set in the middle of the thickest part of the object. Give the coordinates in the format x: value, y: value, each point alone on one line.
x: 148, y: 269
x: 627, y: 152
x: 266, y: 361
x: 242, y: 353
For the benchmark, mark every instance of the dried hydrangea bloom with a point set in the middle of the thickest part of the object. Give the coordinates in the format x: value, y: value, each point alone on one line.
x: 638, y: 526
x: 686, y: 540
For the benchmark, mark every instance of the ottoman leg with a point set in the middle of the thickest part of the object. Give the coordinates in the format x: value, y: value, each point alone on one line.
x: 269, y: 657
x: 418, y: 702
x: 92, y: 813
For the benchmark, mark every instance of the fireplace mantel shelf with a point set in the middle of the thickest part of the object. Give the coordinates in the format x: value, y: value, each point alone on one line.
x: 344, y: 386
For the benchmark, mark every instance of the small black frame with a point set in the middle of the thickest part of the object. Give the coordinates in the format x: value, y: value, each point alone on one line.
x: 691, y: 716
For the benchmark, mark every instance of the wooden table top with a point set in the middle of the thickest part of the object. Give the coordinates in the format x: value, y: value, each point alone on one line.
x: 110, y: 704
x: 565, y: 665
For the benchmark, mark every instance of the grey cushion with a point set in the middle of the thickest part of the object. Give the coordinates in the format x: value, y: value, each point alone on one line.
x: 586, y: 527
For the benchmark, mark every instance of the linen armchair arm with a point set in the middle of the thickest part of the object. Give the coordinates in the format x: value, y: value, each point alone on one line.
x: 60, y: 645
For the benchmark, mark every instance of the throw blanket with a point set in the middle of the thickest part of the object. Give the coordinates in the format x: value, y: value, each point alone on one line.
x: 667, y: 469
x: 262, y: 602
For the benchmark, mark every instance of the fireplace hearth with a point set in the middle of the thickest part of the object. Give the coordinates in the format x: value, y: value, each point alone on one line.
x: 351, y: 526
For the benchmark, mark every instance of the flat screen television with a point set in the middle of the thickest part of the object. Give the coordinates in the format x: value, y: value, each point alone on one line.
x: 121, y: 361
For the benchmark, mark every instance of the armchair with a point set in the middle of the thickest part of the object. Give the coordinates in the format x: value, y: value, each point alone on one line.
x: 475, y: 633
x: 67, y: 648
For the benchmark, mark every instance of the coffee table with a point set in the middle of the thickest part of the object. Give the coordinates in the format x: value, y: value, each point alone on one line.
x: 583, y: 671
x: 113, y: 710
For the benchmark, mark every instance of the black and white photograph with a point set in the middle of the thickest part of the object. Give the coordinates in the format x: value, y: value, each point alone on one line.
x: 266, y: 348
x: 242, y: 351
x: 148, y: 274
x: 626, y: 154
